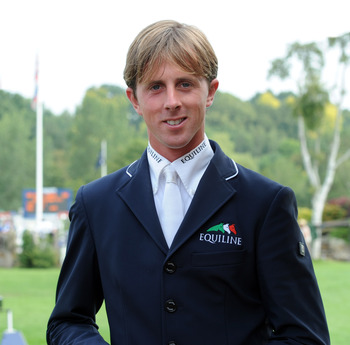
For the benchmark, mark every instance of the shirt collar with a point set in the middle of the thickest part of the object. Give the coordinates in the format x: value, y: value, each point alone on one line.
x: 156, y: 163
x: 190, y: 167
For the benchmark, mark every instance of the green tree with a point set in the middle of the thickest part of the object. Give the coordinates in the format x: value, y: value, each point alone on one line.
x: 309, y: 108
x: 37, y: 255
x: 17, y: 154
x: 18, y: 148
x: 26, y: 258
x: 56, y: 149
x: 105, y: 114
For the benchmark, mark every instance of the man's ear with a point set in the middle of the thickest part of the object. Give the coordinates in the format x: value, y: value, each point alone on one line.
x: 213, y: 86
x: 133, y: 99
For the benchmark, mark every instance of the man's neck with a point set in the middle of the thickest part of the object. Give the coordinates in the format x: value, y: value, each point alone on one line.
x: 172, y: 154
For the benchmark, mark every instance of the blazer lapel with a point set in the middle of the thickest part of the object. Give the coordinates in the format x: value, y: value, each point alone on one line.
x: 213, y: 191
x: 138, y: 195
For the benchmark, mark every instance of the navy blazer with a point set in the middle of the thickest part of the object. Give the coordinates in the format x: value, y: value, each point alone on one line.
x: 238, y: 271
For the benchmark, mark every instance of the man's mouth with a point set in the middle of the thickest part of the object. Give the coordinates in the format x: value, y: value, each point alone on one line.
x: 175, y: 122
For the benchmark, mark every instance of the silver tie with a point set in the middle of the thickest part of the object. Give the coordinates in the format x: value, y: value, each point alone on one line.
x: 172, y: 205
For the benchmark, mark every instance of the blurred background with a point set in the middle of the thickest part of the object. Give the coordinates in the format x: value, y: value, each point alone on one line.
x: 283, y: 109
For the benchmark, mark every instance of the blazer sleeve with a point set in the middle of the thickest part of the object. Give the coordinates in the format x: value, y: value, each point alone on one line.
x: 287, y: 280
x: 79, y: 294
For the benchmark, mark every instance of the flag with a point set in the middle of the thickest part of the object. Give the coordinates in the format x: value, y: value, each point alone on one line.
x: 102, y: 158
x: 36, y: 81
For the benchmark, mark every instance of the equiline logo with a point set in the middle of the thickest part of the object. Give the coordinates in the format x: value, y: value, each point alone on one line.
x: 221, y: 233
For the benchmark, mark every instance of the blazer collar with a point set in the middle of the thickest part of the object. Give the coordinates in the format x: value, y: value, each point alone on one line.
x: 213, y: 191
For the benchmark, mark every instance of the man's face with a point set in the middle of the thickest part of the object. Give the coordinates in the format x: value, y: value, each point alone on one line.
x: 173, y: 104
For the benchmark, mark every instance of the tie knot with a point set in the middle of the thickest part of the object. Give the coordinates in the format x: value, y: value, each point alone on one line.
x: 170, y: 174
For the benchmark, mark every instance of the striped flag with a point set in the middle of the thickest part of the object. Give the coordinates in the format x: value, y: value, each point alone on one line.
x: 36, y: 80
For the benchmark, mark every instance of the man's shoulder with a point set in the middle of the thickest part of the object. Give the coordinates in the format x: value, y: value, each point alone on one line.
x: 258, y: 186
x: 253, y: 176
x: 242, y: 173
x: 110, y: 182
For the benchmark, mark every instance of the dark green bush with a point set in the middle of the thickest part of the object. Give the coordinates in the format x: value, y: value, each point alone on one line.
x: 37, y: 253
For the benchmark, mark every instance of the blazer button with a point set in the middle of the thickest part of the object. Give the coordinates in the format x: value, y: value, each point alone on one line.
x: 170, y: 306
x: 170, y: 267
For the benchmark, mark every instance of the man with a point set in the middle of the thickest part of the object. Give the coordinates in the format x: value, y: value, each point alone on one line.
x: 234, y: 269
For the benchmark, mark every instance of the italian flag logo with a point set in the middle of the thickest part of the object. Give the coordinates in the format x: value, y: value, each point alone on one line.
x: 228, y: 228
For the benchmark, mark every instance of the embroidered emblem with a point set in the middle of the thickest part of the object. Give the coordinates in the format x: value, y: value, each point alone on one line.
x: 224, y: 228
x: 221, y: 233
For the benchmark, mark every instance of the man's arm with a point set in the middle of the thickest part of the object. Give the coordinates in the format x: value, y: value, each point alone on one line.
x: 288, y: 284
x: 79, y: 293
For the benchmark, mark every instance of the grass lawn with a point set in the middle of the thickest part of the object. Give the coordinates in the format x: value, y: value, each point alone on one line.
x: 30, y: 293
x: 334, y: 282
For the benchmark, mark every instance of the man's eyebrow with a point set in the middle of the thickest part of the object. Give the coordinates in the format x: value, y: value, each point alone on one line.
x: 177, y: 80
x: 154, y: 81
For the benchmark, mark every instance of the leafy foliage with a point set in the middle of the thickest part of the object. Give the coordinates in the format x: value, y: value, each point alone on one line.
x: 311, y: 104
x: 37, y: 254
x: 260, y: 134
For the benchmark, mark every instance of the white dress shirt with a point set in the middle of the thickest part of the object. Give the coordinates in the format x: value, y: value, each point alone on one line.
x: 190, y: 168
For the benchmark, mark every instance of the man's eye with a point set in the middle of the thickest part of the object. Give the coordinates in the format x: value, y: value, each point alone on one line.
x: 185, y: 84
x: 155, y: 87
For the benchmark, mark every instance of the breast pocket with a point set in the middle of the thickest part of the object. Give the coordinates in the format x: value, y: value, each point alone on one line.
x: 231, y: 258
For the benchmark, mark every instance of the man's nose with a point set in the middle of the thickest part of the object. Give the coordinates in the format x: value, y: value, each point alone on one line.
x: 172, y: 101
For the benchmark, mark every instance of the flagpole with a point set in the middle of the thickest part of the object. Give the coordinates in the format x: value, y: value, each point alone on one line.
x: 103, y: 158
x: 39, y: 165
x: 39, y: 156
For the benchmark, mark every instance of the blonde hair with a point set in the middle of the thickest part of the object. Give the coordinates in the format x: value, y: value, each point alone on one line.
x: 169, y: 41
